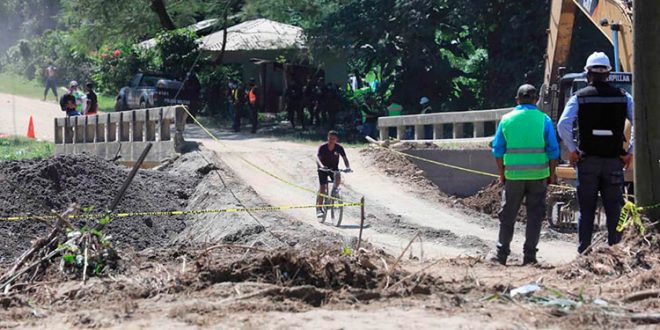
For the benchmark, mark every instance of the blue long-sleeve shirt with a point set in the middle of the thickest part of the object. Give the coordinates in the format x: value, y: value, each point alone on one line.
x: 568, y: 117
x: 551, y: 144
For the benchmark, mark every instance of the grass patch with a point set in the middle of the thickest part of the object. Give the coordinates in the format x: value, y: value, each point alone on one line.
x: 17, y: 148
x: 14, y: 84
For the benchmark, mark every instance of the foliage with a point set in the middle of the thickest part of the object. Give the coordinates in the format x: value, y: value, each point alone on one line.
x: 29, y: 58
x: 405, y: 42
x: 116, y: 66
x: 177, y: 52
x: 15, y: 148
x: 306, y: 14
x: 462, y: 54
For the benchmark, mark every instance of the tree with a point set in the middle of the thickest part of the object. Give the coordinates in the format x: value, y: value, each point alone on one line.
x: 158, y: 7
x: 418, y: 47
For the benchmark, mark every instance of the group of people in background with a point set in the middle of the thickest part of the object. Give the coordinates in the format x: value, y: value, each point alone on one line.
x: 319, y: 99
x: 75, y: 102
x: 243, y: 102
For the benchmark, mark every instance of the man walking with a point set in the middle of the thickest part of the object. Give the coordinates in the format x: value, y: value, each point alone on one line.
x: 601, y: 112
x: 526, y: 150
x: 51, y: 80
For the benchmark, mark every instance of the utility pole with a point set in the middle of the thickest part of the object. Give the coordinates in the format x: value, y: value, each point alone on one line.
x: 646, y: 93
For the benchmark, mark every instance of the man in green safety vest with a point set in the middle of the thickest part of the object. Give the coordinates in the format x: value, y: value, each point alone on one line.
x: 526, y: 150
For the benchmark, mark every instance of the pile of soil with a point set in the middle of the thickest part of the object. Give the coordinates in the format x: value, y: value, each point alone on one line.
x: 33, y: 187
x: 635, y: 254
x: 489, y: 201
x: 399, y: 167
x: 325, y: 268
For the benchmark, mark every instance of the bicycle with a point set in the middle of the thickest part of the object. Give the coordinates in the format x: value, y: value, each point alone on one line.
x: 333, y: 199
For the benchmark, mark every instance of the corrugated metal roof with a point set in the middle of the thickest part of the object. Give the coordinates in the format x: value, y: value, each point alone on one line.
x: 258, y: 34
x: 201, y: 25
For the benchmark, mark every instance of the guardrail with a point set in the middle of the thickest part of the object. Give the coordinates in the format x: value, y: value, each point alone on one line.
x: 437, y: 121
x: 124, y: 134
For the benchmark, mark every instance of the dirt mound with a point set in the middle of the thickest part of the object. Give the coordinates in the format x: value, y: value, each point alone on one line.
x: 635, y: 254
x: 325, y: 268
x: 399, y: 167
x: 489, y: 201
x: 54, y: 184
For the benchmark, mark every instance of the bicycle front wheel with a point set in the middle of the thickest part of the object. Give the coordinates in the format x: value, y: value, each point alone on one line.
x: 339, y: 210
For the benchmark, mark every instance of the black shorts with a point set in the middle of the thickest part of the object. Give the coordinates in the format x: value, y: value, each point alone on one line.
x: 326, y: 177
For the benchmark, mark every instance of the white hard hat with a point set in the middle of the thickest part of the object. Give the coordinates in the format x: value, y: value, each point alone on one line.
x: 73, y: 83
x: 424, y: 100
x: 598, y: 62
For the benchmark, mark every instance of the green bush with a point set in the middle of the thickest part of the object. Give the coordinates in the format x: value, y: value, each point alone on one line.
x: 114, y: 67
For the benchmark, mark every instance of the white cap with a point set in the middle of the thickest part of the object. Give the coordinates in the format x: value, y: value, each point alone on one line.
x: 73, y: 83
x: 600, y: 60
x: 424, y: 100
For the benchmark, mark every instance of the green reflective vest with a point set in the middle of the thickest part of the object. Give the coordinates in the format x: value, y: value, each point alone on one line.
x: 525, y: 157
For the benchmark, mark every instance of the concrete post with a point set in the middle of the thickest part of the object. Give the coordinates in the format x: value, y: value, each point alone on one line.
x: 150, y: 119
x: 79, y: 132
x: 438, y: 131
x: 458, y: 130
x: 478, y: 130
x: 384, y: 133
x: 419, y: 132
x: 400, y: 132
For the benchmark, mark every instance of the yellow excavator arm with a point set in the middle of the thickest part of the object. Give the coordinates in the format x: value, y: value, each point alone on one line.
x: 604, y: 14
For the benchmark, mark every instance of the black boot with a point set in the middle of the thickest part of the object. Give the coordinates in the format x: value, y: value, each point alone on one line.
x: 529, y: 257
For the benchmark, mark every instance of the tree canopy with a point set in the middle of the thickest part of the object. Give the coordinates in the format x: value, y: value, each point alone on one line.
x: 460, y: 53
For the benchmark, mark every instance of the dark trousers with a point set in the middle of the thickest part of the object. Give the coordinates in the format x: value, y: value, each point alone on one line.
x: 51, y: 83
x: 238, y: 113
x: 594, y: 175
x: 296, y: 110
x: 254, y: 115
x: 533, y: 191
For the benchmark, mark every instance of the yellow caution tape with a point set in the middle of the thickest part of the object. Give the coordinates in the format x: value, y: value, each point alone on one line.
x: 257, y: 167
x: 630, y: 214
x: 190, y: 212
x: 464, y: 169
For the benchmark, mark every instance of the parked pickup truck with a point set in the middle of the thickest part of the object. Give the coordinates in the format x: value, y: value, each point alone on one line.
x: 147, y: 90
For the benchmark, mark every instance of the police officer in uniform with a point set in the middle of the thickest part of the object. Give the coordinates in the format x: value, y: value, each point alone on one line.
x: 601, y: 112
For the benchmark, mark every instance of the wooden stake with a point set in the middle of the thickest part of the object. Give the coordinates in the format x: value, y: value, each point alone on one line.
x: 361, y: 223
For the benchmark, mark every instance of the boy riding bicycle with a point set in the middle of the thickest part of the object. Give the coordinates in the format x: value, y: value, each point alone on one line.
x: 327, y: 158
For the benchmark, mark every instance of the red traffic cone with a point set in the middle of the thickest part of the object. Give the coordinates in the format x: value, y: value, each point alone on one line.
x: 30, y: 133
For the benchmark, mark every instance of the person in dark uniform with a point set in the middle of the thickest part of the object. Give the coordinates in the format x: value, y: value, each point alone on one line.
x: 334, y: 104
x: 321, y: 106
x: 293, y: 99
x: 238, y: 98
x: 601, y: 112
x: 309, y: 98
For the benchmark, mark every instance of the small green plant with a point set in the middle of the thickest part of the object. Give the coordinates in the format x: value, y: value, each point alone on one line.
x: 347, y: 251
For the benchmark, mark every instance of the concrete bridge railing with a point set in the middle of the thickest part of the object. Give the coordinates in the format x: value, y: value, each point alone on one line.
x: 123, y: 134
x: 437, y: 122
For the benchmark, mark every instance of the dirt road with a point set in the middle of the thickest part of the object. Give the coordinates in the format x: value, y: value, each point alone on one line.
x: 395, y: 213
x: 15, y: 112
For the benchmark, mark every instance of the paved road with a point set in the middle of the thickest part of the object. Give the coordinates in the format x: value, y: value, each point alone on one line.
x: 15, y: 112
